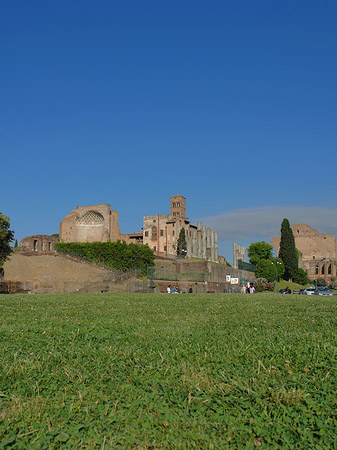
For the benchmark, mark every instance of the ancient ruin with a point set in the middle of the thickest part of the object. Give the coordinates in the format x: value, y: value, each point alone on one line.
x: 161, y: 233
x: 39, y: 243
x: 318, y: 251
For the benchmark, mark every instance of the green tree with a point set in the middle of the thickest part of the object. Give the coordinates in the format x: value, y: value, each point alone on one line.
x: 182, y: 244
x: 258, y: 251
x: 6, y: 237
x: 288, y: 250
x: 301, y: 277
x: 266, y: 268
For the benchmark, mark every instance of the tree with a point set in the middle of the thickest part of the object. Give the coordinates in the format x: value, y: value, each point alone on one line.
x: 258, y: 251
x: 288, y: 250
x: 301, y: 277
x: 6, y: 237
x: 266, y: 268
x: 182, y: 244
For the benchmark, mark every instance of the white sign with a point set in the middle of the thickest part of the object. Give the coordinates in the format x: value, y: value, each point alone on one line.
x: 235, y: 281
x: 228, y: 278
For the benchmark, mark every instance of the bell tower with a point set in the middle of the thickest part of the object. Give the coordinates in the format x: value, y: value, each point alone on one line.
x: 178, y: 206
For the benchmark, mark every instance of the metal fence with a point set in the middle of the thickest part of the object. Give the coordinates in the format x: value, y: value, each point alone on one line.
x: 242, y: 265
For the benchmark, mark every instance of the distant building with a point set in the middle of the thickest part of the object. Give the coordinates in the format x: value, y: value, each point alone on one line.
x: 95, y: 223
x: 161, y: 233
x: 318, y: 251
x: 39, y: 243
x: 99, y: 223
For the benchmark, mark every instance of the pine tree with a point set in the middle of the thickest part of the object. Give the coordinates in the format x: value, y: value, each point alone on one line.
x: 182, y: 244
x: 16, y: 244
x: 288, y: 250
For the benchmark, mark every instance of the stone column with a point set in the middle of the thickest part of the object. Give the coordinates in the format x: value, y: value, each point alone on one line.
x: 333, y: 268
x: 204, y: 242
x: 208, y: 243
x: 216, y: 253
x: 199, y: 241
x: 212, y: 246
x: 326, y: 266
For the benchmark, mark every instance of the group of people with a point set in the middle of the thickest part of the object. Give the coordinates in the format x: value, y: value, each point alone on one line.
x: 248, y: 289
x: 173, y: 290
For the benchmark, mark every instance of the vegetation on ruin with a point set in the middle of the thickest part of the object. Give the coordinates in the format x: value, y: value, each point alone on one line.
x: 136, y: 371
x: 6, y: 238
x: 115, y: 255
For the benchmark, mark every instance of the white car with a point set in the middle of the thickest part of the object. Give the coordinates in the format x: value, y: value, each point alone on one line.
x: 309, y: 291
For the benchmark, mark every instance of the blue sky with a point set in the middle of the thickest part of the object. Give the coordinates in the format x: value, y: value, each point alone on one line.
x: 232, y: 104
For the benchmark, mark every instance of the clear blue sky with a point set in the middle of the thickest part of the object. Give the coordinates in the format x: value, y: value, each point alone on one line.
x: 232, y: 104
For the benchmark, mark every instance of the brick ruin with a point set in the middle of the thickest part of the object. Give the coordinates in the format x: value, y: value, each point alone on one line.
x: 161, y: 233
x: 318, y: 251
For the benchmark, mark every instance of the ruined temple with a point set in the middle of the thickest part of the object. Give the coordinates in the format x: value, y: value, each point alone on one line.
x: 95, y: 223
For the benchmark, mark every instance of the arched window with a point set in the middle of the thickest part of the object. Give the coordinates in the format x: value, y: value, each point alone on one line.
x: 329, y: 269
x: 316, y: 269
x: 323, y: 270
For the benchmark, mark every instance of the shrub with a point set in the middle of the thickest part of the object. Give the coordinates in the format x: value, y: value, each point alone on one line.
x: 301, y: 277
x: 115, y: 255
x: 266, y: 268
x: 262, y: 284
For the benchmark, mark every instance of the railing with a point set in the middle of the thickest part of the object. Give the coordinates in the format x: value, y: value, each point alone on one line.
x: 156, y: 273
x: 242, y: 265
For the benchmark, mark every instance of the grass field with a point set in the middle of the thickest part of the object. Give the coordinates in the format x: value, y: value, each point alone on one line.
x: 134, y: 371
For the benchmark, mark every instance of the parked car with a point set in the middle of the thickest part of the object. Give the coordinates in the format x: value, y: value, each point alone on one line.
x: 284, y: 291
x: 301, y: 291
x: 309, y: 291
x: 323, y: 291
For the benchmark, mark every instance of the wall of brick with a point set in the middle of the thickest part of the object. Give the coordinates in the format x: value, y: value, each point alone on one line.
x: 59, y: 274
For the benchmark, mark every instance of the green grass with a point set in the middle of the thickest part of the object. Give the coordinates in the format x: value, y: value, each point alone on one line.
x: 282, y: 284
x: 134, y: 371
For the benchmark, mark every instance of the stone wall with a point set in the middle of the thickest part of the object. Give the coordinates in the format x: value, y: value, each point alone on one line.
x: 60, y: 274
x: 203, y: 276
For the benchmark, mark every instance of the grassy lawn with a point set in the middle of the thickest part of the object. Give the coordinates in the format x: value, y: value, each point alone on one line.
x: 134, y: 371
x: 282, y: 284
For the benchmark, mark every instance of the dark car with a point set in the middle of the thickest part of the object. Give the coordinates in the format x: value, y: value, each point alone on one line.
x: 284, y: 291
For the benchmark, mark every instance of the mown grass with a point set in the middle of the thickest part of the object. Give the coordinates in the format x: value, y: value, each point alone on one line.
x: 136, y: 371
